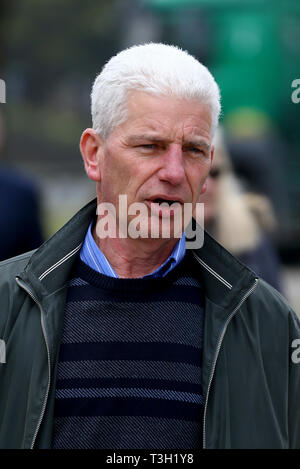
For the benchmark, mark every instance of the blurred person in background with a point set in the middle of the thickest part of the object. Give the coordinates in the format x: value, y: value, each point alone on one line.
x: 140, y: 342
x: 257, y: 154
x: 20, y: 227
x: 242, y: 222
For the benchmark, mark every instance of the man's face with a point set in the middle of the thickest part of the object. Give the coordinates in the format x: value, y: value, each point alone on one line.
x: 162, y: 151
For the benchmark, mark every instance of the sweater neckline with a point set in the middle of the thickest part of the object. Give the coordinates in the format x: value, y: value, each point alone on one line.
x: 106, y: 282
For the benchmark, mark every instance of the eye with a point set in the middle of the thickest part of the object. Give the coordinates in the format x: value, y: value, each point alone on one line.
x: 195, y: 150
x: 149, y: 146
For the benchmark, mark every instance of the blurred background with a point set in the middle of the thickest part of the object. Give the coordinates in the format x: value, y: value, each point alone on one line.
x: 51, y: 52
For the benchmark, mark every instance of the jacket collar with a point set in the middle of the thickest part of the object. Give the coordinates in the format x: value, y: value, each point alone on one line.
x: 224, y: 278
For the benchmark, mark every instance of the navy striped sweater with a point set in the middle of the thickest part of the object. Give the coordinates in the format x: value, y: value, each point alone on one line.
x: 129, y: 372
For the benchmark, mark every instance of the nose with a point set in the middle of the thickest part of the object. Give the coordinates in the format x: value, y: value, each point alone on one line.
x: 172, y: 169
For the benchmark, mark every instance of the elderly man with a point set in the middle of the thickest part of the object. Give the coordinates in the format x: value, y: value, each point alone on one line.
x: 115, y: 337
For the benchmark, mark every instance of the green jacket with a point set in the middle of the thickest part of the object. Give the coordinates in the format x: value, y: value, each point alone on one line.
x: 250, y: 381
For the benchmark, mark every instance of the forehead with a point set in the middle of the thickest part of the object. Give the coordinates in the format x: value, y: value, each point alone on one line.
x: 167, y: 115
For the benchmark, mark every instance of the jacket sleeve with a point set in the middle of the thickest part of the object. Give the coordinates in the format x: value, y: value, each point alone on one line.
x: 10, y: 295
x: 294, y: 381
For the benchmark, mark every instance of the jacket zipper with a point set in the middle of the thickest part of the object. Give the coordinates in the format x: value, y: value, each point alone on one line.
x: 217, y: 354
x: 24, y: 287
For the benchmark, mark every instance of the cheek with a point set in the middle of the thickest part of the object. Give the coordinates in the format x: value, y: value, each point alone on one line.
x: 113, y: 169
x: 210, y: 186
x: 198, y: 176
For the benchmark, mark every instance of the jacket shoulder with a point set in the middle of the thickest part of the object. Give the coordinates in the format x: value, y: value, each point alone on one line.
x: 14, y: 265
x: 9, y: 290
x: 269, y: 303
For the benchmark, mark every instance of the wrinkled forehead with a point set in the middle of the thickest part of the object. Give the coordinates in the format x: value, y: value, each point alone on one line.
x: 168, y: 114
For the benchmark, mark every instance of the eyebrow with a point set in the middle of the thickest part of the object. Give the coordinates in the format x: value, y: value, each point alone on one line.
x: 133, y: 139
x: 143, y: 137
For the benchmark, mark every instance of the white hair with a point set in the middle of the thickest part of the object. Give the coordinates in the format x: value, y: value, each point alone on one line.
x: 157, y: 69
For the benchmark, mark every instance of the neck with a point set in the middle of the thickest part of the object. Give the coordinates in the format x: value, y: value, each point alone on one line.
x: 134, y: 258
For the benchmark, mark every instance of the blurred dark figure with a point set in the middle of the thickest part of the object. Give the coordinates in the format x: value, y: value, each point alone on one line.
x: 20, y: 228
x: 242, y: 222
x: 256, y: 151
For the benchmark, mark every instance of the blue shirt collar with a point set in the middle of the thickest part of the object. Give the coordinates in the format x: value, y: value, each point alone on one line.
x: 92, y: 255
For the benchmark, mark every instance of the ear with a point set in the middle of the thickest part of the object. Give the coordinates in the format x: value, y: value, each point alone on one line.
x: 90, y: 147
x: 212, y: 151
x: 204, y: 187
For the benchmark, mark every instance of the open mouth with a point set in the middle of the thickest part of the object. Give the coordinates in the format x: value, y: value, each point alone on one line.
x: 169, y: 202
